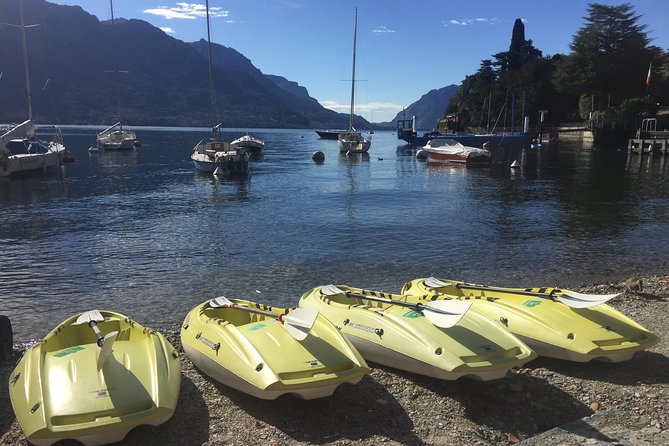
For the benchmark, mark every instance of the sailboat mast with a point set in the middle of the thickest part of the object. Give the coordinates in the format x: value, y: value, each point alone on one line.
x: 212, y: 94
x: 25, y: 61
x: 355, y: 33
x: 116, y: 74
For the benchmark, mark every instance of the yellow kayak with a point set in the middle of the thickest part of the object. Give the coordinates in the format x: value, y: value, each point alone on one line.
x: 556, y: 323
x: 267, y: 352
x: 444, y: 341
x: 93, y: 378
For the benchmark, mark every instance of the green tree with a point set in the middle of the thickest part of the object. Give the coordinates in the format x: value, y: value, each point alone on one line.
x: 610, y: 57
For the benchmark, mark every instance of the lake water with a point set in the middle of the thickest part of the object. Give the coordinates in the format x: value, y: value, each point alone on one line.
x: 143, y: 233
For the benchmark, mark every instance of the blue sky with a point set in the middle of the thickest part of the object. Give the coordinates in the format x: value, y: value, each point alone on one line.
x: 405, y: 48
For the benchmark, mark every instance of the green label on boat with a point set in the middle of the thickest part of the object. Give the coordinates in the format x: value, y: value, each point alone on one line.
x: 531, y: 303
x: 68, y: 351
x: 257, y: 326
x: 412, y: 314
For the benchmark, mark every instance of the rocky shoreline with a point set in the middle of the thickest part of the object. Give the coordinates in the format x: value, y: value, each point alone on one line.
x: 546, y: 402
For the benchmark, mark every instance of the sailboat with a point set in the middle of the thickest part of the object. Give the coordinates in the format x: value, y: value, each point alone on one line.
x: 20, y: 150
x: 214, y: 155
x: 116, y: 137
x: 353, y: 141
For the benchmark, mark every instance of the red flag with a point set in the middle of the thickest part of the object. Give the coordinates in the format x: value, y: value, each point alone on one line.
x: 650, y: 68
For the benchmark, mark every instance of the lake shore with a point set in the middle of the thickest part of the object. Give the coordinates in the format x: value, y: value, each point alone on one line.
x: 547, y: 402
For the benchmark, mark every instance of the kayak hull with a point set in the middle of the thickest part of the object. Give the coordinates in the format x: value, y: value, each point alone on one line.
x: 256, y: 355
x: 58, y: 393
x: 403, y: 338
x: 548, y: 326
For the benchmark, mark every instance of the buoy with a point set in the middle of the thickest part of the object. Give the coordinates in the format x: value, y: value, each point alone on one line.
x: 421, y: 154
x: 318, y: 156
x: 6, y: 338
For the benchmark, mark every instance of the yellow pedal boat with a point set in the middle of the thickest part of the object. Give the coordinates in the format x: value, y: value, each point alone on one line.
x: 446, y: 342
x: 93, y: 378
x: 555, y: 323
x: 267, y: 352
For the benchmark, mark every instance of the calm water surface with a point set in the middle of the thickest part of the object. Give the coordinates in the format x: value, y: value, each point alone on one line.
x: 143, y: 233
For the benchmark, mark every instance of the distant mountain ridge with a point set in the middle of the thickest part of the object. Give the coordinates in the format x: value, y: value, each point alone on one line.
x: 428, y: 109
x: 72, y: 53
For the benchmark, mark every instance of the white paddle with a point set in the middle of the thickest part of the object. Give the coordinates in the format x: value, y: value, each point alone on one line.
x: 442, y: 313
x: 298, y: 323
x: 570, y: 298
x: 105, y: 343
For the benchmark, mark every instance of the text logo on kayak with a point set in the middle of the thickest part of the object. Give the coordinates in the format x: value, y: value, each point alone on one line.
x: 531, y: 303
x: 68, y: 351
x: 257, y: 326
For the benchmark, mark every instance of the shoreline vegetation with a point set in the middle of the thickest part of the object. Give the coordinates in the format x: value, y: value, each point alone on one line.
x: 546, y: 402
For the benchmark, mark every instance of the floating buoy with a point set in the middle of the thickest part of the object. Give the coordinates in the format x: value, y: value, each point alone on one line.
x: 318, y: 156
x: 515, y: 165
x: 421, y: 154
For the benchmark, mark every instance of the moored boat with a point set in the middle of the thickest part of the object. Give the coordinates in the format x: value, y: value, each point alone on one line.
x: 251, y: 143
x: 21, y: 151
x: 451, y: 151
x: 443, y: 340
x: 267, y: 351
x: 352, y: 141
x: 93, y: 378
x: 556, y: 323
x: 329, y: 134
x: 116, y: 137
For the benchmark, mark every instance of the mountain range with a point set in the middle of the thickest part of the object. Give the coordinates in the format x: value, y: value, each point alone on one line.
x: 77, y: 63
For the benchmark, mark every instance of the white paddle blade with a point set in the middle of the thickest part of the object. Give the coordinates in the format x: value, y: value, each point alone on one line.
x: 445, y: 313
x: 433, y: 282
x: 106, y: 349
x: 298, y: 322
x: 221, y: 301
x: 92, y: 315
x: 331, y: 290
x: 579, y: 300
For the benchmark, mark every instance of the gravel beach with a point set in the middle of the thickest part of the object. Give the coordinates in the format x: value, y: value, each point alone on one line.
x: 546, y: 402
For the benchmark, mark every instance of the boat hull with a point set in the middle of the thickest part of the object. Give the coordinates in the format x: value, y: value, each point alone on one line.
x: 58, y: 393
x: 403, y: 338
x: 256, y: 355
x: 220, y: 157
x: 329, y: 134
x: 355, y: 144
x: 548, y: 326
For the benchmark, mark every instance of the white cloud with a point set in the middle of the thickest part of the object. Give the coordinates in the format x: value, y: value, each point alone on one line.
x: 467, y: 22
x: 382, y: 29
x: 188, y: 11
x: 167, y: 29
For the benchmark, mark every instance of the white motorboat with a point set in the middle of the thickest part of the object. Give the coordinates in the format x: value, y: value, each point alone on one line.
x: 249, y: 142
x: 451, y: 151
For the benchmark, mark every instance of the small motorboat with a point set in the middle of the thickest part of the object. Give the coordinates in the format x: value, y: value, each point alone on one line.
x: 251, y: 143
x: 556, y: 323
x: 451, y: 151
x: 267, y: 352
x: 442, y: 340
x: 93, y: 378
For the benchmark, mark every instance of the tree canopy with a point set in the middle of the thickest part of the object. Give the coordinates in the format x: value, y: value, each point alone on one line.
x: 606, y: 70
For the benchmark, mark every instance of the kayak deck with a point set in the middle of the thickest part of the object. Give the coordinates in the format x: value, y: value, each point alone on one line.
x: 549, y: 326
x: 255, y: 353
x: 403, y: 338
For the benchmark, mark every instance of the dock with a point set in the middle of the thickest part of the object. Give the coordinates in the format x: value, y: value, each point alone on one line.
x: 649, y: 140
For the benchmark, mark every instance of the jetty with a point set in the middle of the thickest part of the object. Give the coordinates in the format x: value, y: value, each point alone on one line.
x: 648, y: 139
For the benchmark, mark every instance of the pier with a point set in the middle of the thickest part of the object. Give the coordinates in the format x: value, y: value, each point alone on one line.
x: 648, y: 139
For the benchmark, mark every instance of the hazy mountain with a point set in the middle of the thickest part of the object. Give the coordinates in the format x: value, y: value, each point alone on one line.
x: 73, y: 59
x: 428, y: 109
